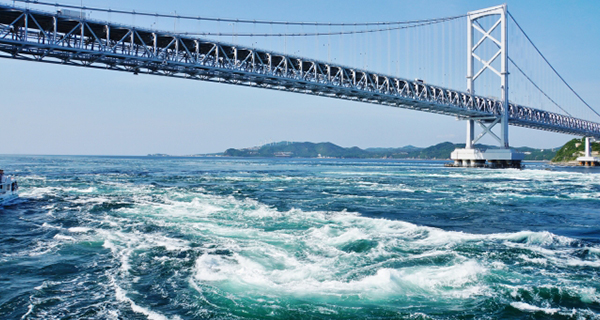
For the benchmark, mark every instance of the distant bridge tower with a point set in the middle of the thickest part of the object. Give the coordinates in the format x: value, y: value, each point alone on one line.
x: 587, y: 159
x: 503, y: 157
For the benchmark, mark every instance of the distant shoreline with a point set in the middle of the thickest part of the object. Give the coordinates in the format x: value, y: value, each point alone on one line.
x: 328, y: 150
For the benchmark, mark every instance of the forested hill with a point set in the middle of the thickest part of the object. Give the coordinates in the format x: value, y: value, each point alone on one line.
x: 329, y: 150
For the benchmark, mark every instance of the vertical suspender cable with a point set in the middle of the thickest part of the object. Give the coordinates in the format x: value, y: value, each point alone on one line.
x: 341, y: 50
x: 408, y: 52
x: 285, y: 40
x: 329, y: 46
x: 389, y: 52
x: 397, y: 53
x: 317, y: 55
x: 443, y: 38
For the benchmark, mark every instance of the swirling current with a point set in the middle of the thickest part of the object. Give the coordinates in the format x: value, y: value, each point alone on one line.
x: 220, y: 238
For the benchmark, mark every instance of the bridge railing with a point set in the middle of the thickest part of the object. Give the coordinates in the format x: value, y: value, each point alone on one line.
x: 56, y: 38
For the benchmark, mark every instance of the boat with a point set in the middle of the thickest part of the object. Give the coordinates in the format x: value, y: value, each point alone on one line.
x: 9, y: 188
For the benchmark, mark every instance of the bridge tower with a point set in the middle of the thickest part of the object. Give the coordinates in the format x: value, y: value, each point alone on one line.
x: 504, y: 157
x: 588, y: 160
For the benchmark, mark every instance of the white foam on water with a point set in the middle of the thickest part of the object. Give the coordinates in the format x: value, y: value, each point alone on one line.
x: 77, y: 190
x: 328, y: 311
x: 217, y: 268
x: 37, y: 192
x: 30, y: 307
x: 387, y: 187
x: 40, y: 192
x: 245, y: 275
x: 318, y: 272
x: 204, y: 207
x: 46, y: 284
x: 79, y: 229
x: 361, y: 173
x: 351, y: 196
x: 439, y: 237
x: 121, y: 296
x: 41, y: 247
x: 529, y: 308
x: 49, y: 226
x: 263, y: 211
x: 541, y: 261
x: 337, y: 237
x: 588, y: 295
x: 595, y: 251
x: 33, y: 177
x: 123, y: 244
x: 498, y: 265
x: 63, y: 237
x: 542, y: 238
x: 121, y: 254
x: 451, y: 280
x: 573, y: 262
x: 588, y: 195
x: 95, y: 200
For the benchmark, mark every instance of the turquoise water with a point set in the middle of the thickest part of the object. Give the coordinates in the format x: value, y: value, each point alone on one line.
x: 215, y: 238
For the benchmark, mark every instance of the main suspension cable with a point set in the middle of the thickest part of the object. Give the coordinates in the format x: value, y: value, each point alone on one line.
x: 335, y: 33
x: 184, y: 17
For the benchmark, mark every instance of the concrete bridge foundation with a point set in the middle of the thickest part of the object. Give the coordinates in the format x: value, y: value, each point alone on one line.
x: 587, y: 160
x: 492, y: 158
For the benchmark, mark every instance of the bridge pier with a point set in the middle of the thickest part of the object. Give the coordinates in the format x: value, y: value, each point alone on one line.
x: 471, y: 158
x: 588, y: 160
x: 504, y: 158
x: 491, y: 158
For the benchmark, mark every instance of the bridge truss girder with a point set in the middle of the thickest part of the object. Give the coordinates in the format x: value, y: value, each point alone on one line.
x: 54, y: 38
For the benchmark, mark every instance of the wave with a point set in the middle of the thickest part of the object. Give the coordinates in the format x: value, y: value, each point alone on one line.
x: 529, y: 308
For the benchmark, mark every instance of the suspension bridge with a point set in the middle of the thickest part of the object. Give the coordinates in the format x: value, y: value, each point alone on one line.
x: 67, y: 36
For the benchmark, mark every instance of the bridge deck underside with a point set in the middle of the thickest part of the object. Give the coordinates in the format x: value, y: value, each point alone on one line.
x: 55, y: 38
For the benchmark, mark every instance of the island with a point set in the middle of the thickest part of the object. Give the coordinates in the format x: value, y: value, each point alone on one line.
x: 439, y: 151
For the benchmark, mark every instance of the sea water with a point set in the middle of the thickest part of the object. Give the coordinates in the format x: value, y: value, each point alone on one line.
x: 222, y: 238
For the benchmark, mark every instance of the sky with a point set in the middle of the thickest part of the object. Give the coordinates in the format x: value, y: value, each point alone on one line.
x: 56, y: 109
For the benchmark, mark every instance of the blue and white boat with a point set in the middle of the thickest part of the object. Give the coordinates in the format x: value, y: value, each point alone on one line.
x: 9, y: 188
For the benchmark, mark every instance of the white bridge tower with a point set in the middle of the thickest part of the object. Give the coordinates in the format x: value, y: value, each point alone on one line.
x: 504, y: 157
x: 588, y: 159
